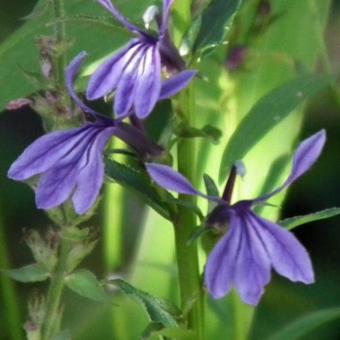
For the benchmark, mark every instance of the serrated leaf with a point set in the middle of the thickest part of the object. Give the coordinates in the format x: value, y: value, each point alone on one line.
x: 85, y: 283
x: 293, y: 222
x: 139, y: 182
x: 268, y: 112
x: 158, y: 310
x: 30, y: 273
x: 305, y: 325
x: 216, y: 21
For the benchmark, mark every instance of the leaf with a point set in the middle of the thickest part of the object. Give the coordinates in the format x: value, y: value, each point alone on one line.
x: 208, y: 131
x: 85, y: 283
x: 138, y: 182
x: 158, y: 310
x: 306, y: 324
x: 293, y: 222
x: 210, y: 186
x: 30, y: 273
x: 216, y: 22
x: 39, y: 10
x: 268, y: 112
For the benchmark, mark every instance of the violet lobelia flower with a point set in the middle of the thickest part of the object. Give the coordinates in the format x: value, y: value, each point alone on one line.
x: 135, y: 72
x: 70, y: 163
x: 244, y: 256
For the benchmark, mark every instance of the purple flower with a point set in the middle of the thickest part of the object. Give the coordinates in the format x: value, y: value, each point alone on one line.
x: 244, y: 256
x: 135, y: 72
x: 70, y: 163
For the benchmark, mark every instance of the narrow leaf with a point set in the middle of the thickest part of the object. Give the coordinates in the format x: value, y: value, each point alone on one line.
x: 138, y: 182
x: 210, y: 186
x: 293, y: 222
x: 216, y: 22
x: 158, y: 310
x: 85, y: 283
x: 30, y: 273
x: 307, y: 324
x: 268, y: 112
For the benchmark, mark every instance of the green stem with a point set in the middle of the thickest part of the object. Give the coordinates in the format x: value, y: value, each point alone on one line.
x: 185, y: 224
x: 54, y: 293
x: 60, y: 35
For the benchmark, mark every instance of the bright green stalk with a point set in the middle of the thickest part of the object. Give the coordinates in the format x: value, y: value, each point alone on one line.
x: 11, y: 304
x: 185, y: 224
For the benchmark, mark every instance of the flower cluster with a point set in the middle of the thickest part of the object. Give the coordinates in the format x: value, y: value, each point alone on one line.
x: 70, y: 163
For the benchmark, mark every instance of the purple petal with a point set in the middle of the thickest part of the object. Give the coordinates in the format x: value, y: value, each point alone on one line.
x: 56, y: 185
x: 305, y: 156
x: 148, y: 83
x: 288, y: 257
x: 106, y: 77
x: 125, y: 90
x: 220, y: 268
x: 176, y: 84
x: 165, y: 16
x: 253, y: 271
x: 119, y: 16
x: 44, y: 153
x: 170, y: 179
x: 71, y: 74
x: 91, y: 174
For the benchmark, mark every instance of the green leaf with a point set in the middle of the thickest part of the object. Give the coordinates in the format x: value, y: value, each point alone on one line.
x: 210, y: 186
x: 293, y: 222
x: 139, y: 182
x: 208, y: 131
x: 157, y: 329
x: 215, y: 23
x: 85, y: 283
x: 307, y: 324
x: 268, y: 112
x: 30, y: 273
x: 158, y: 310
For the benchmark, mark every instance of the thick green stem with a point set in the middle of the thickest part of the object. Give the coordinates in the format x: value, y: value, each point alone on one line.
x: 53, y: 305
x: 187, y: 255
x: 60, y: 35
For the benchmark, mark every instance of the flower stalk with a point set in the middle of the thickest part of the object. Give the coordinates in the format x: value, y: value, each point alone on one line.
x: 185, y: 224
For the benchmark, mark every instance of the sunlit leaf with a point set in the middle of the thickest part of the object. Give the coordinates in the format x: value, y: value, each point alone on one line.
x: 307, y: 324
x: 216, y: 22
x: 293, y: 222
x: 30, y: 273
x: 85, y: 283
x: 268, y: 112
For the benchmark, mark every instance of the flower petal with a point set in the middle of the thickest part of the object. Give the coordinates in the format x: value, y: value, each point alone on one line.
x: 106, y: 77
x: 170, y: 179
x: 177, y: 83
x: 71, y: 74
x: 56, y: 185
x: 287, y: 255
x: 305, y: 156
x: 220, y: 267
x: 45, y: 152
x: 91, y: 173
x: 165, y: 16
x: 253, y: 271
x: 125, y: 91
x: 119, y: 16
x: 148, y: 83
